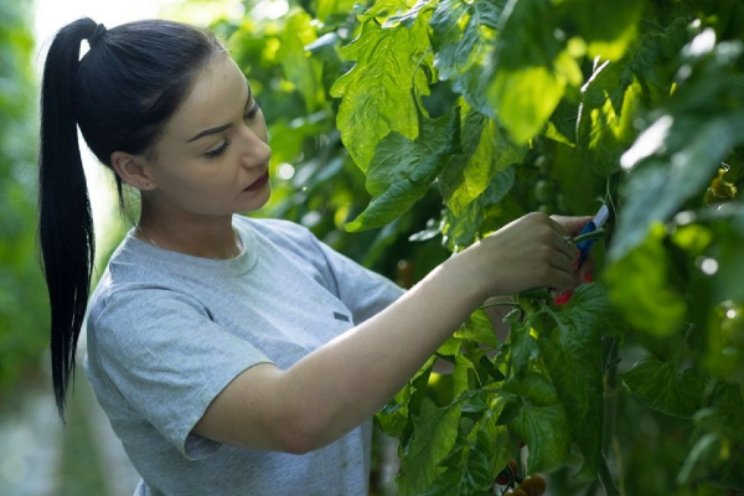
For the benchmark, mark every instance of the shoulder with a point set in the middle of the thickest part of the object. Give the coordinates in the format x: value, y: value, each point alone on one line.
x: 131, y: 301
x: 137, y: 288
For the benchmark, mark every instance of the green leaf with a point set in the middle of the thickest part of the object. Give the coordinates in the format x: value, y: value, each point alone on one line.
x: 699, y: 459
x: 464, y: 375
x: 379, y: 94
x: 476, y: 461
x: 434, y: 435
x: 541, y: 422
x: 727, y: 252
x: 662, y: 387
x: 524, y: 348
x: 486, y: 151
x: 604, y: 131
x: 300, y: 69
x: 651, y: 62
x: 460, y: 231
x: 608, y: 35
x: 640, y: 289
x: 658, y: 189
x: 402, y: 170
x: 724, y: 413
x: 573, y: 355
x: 525, y: 99
x: 478, y: 328
x: 383, y: 10
x: 394, y: 418
x: 464, y: 45
x: 532, y: 70
x: 325, y: 9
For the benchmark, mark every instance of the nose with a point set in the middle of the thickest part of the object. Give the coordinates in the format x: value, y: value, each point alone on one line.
x: 254, y: 146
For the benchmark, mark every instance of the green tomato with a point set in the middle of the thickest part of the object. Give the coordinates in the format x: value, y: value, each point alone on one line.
x: 544, y: 191
x: 440, y: 388
x: 542, y: 162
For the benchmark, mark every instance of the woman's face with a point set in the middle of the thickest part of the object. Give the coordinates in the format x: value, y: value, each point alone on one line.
x: 213, y: 155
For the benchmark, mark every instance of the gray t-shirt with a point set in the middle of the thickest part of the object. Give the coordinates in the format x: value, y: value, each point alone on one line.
x: 168, y: 331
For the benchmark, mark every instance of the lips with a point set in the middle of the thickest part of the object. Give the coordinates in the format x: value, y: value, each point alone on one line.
x: 258, y: 183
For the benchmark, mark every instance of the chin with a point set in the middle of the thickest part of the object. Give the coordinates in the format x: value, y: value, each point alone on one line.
x: 256, y: 201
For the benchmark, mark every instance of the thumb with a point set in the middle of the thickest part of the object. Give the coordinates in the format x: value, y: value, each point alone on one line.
x: 572, y: 224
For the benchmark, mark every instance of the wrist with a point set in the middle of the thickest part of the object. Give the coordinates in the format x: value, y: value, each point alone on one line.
x: 463, y: 278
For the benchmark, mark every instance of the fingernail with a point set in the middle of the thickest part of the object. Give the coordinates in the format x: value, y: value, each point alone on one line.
x: 588, y: 277
x: 562, y: 298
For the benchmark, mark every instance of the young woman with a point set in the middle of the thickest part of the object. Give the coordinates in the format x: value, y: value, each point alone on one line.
x: 232, y: 356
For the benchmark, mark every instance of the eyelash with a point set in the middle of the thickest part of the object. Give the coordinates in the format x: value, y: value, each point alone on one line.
x: 247, y: 116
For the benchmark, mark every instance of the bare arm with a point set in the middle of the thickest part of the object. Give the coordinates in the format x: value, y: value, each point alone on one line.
x: 340, y: 385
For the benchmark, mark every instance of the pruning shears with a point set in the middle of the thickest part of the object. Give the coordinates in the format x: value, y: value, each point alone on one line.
x: 597, y: 222
x: 584, y: 244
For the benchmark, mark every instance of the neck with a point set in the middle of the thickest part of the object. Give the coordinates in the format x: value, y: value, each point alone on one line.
x: 200, y: 236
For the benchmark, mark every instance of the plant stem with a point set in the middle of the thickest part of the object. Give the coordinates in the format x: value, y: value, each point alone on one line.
x: 611, y: 379
x: 500, y: 304
x: 605, y: 478
x: 596, y: 234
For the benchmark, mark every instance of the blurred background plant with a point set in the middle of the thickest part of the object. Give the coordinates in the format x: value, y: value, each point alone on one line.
x: 23, y: 312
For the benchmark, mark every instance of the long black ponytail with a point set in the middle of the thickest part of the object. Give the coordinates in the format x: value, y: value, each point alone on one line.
x: 120, y: 94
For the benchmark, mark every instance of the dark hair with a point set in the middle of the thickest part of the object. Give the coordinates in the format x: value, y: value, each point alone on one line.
x: 121, y: 94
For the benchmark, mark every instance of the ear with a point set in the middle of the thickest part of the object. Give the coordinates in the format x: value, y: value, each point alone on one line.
x: 133, y: 170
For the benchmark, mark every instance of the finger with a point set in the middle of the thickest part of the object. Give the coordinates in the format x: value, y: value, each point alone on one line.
x: 570, y: 277
x: 571, y: 224
x: 561, y: 279
x: 565, y: 245
x: 586, y: 271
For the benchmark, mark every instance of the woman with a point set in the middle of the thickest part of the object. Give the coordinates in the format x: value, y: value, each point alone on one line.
x: 232, y: 356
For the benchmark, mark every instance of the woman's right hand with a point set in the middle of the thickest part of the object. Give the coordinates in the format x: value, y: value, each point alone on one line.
x: 534, y: 251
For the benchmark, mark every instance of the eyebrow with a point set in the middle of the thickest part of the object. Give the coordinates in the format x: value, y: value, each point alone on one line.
x: 223, y: 127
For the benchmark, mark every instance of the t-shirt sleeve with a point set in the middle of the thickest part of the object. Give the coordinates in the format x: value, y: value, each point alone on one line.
x: 162, y: 352
x: 363, y: 291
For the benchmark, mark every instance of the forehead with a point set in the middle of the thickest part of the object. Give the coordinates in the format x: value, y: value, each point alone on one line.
x: 217, y: 91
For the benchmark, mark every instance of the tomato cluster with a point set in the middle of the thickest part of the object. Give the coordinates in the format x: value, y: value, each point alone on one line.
x: 546, y: 190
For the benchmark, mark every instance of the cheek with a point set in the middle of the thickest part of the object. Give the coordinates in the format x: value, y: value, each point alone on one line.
x: 189, y: 182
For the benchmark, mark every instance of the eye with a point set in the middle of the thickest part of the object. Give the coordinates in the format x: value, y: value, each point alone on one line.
x: 252, y: 111
x: 217, y: 151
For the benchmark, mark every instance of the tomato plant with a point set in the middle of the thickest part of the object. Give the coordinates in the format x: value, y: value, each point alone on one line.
x: 428, y: 124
